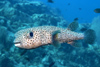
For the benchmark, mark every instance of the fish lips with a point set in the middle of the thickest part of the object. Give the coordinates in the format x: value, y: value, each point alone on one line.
x: 17, y: 44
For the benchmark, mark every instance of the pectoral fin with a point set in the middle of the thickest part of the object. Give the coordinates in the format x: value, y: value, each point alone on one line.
x: 55, y: 41
x: 75, y: 43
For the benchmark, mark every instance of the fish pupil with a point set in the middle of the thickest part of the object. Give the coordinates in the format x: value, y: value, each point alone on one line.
x: 31, y: 34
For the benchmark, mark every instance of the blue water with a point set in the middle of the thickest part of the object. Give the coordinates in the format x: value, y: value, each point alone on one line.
x: 69, y: 12
x: 16, y: 15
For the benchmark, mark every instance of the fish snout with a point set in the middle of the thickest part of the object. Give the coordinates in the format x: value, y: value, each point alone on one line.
x: 17, y: 44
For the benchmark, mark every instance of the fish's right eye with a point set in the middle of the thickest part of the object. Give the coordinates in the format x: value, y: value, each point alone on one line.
x: 31, y: 34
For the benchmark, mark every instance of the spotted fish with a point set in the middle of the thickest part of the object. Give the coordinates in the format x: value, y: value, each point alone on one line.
x: 43, y: 35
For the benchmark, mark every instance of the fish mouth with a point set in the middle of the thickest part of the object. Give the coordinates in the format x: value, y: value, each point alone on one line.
x: 17, y: 43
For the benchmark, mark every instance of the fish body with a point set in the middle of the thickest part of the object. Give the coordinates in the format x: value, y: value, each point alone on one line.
x: 44, y: 35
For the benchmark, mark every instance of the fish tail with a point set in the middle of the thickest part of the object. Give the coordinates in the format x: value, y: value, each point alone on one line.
x: 90, y: 36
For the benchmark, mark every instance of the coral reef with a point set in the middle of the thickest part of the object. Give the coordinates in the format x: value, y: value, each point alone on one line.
x: 3, y: 34
x: 19, y: 14
x: 47, y: 19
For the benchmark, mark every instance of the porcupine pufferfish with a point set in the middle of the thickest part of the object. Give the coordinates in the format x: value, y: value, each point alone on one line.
x: 43, y: 35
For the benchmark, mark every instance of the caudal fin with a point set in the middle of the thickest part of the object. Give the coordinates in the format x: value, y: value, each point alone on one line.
x: 90, y: 36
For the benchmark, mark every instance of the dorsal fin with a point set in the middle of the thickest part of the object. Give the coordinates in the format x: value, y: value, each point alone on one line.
x: 55, y: 41
x: 73, y: 26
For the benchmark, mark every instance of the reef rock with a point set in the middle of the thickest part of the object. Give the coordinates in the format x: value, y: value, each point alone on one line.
x: 3, y: 34
x: 30, y: 8
x: 47, y: 19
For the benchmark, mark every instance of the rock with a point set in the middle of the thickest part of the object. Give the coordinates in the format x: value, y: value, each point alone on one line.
x: 34, y: 7
x: 6, y: 62
x: 3, y: 34
x: 47, y: 19
x: 7, y: 11
x: 3, y: 21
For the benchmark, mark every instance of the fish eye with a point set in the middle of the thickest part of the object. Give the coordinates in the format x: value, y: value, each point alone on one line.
x: 31, y: 34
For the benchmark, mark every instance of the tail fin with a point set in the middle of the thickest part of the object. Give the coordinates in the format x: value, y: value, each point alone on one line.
x: 90, y: 36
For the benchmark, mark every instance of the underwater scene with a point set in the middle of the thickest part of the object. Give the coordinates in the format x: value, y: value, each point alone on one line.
x: 49, y: 33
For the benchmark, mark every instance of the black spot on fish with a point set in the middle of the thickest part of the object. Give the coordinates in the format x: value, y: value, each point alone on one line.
x: 48, y: 37
x: 36, y: 37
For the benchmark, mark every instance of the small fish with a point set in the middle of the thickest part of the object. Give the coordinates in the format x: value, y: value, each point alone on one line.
x: 68, y: 3
x: 44, y: 35
x: 97, y: 10
x: 76, y: 19
x: 50, y: 1
x: 80, y: 8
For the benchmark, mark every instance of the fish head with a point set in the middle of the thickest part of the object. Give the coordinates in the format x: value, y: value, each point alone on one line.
x: 27, y: 38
